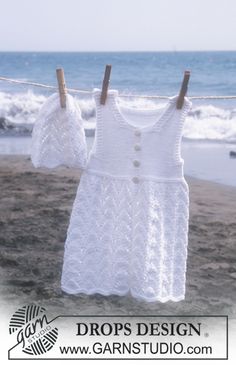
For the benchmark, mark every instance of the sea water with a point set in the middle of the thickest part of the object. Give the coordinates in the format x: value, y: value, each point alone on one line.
x: 210, y: 127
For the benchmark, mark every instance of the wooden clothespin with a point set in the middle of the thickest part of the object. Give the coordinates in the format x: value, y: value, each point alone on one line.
x: 61, y: 86
x: 105, y: 84
x: 183, y: 90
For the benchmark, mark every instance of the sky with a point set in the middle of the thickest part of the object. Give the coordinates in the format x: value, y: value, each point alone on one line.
x: 117, y: 25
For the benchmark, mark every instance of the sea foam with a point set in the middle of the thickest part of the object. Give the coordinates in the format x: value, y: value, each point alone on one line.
x: 19, y: 111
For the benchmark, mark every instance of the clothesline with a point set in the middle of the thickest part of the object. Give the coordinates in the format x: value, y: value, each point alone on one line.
x: 123, y: 95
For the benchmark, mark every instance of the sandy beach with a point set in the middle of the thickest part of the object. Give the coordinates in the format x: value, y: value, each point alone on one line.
x: 35, y: 210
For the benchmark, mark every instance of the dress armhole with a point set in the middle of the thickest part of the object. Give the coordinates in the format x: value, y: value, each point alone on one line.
x: 179, y: 131
x: 98, y: 138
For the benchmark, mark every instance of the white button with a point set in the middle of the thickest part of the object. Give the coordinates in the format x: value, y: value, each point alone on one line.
x: 136, y: 163
x: 135, y: 180
x: 137, y: 132
x: 137, y: 147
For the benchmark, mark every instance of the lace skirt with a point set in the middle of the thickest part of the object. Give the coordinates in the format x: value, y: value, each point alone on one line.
x: 127, y: 238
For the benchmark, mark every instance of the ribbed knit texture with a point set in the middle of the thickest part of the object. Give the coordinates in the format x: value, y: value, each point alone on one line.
x: 128, y: 229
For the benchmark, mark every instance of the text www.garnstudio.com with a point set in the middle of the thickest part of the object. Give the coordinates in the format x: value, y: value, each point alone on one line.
x: 146, y: 348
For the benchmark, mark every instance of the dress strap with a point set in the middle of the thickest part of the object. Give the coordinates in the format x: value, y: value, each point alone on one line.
x: 97, y: 95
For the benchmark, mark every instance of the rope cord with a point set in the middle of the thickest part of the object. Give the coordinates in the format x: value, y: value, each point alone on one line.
x: 123, y: 95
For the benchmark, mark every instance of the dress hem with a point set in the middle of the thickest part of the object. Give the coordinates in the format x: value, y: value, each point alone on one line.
x: 102, y: 292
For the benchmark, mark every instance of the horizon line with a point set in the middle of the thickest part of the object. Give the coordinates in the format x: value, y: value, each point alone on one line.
x: 118, y: 51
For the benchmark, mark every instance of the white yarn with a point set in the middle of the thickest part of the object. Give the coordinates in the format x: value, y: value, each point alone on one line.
x: 58, y: 136
x: 128, y: 230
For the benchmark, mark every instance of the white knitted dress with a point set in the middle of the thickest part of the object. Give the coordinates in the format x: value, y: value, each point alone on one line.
x: 128, y: 230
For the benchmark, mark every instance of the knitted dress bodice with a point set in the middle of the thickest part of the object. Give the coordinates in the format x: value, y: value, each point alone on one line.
x: 146, y: 150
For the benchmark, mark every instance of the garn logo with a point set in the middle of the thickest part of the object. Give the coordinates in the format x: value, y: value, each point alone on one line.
x: 34, y: 332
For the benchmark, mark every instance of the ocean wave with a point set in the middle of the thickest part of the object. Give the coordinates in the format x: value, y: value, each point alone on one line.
x: 208, y: 122
x: 18, y: 113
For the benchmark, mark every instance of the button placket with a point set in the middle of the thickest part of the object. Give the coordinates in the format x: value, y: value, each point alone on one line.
x: 136, y: 162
